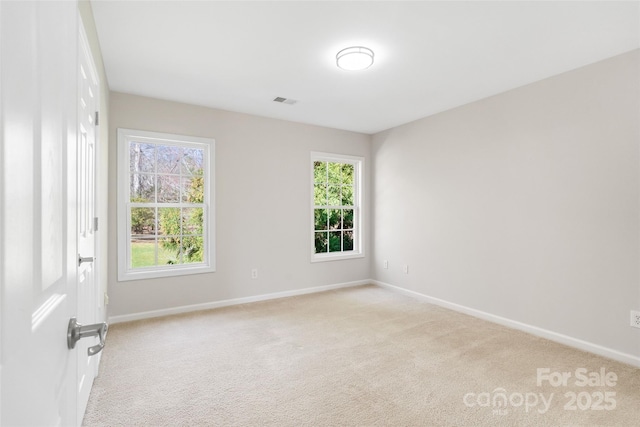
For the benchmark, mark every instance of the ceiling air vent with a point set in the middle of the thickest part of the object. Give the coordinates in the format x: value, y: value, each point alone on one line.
x: 284, y: 100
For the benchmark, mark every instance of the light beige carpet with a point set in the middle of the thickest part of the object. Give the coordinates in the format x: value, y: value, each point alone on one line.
x: 351, y: 357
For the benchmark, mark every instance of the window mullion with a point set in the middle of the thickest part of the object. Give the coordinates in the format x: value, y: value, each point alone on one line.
x: 326, y: 189
x: 155, y: 234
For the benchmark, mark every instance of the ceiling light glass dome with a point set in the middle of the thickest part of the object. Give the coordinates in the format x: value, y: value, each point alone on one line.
x: 355, y: 58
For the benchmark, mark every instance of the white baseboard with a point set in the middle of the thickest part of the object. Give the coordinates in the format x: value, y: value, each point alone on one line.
x: 228, y: 302
x: 533, y: 330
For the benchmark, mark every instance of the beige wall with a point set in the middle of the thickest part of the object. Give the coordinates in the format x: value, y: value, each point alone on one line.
x: 102, y: 184
x: 523, y: 205
x: 262, y: 205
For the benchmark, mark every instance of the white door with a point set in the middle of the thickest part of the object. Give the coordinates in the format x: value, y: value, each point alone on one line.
x: 38, y: 230
x: 88, y: 89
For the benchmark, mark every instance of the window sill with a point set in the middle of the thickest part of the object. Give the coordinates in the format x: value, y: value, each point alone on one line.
x: 330, y: 257
x: 141, y: 274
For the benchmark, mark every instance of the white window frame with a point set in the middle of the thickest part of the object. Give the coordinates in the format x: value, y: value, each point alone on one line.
x: 125, y: 272
x: 358, y: 200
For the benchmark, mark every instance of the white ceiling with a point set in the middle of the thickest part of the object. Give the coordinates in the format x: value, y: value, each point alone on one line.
x: 429, y: 56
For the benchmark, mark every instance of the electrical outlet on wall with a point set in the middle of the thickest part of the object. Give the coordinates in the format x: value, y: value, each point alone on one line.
x: 385, y: 264
x: 635, y: 319
x: 254, y: 273
x: 405, y: 268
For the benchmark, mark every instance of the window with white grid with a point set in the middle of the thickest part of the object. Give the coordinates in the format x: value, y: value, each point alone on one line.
x: 336, y: 212
x: 165, y: 209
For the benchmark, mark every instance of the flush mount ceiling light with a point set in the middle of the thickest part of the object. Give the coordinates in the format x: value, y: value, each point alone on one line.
x: 355, y: 58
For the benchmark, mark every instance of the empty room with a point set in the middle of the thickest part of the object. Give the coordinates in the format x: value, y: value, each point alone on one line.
x: 319, y: 213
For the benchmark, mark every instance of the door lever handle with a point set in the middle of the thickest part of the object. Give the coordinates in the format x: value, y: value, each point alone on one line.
x: 82, y: 259
x: 76, y: 331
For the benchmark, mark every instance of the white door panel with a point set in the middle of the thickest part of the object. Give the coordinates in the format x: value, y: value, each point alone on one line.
x: 39, y: 123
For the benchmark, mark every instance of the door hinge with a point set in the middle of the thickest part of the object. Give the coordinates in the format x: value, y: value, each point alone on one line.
x: 97, y: 120
x: 95, y: 224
